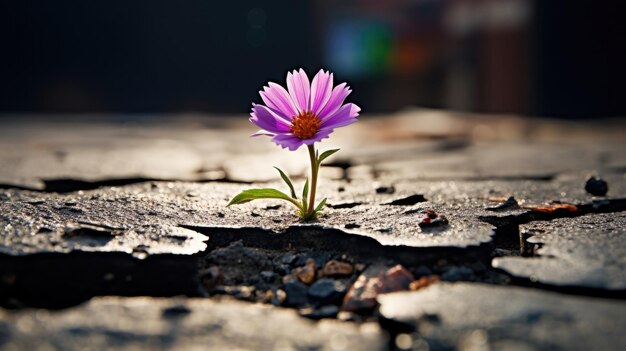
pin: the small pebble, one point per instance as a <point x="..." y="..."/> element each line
<point x="394" y="279"/>
<point x="432" y="219"/>
<point x="326" y="291"/>
<point x="596" y="186"/>
<point x="279" y="297"/>
<point x="439" y="221"/>
<point x="334" y="268"/>
<point x="306" y="274"/>
<point x="274" y="296"/>
<point x="362" y="295"/>
<point x="383" y="189"/>
<point x="296" y="294"/>
<point x="176" y="311"/>
<point x="423" y="282"/>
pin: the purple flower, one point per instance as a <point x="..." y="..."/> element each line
<point x="306" y="112"/>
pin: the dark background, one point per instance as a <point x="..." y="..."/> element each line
<point x="549" y="58"/>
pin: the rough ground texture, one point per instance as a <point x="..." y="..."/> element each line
<point x="527" y="259"/>
<point x="181" y="324"/>
<point x="503" y="318"/>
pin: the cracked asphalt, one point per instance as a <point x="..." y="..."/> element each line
<point x="115" y="220"/>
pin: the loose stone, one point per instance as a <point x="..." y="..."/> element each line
<point x="596" y="186"/>
<point x="553" y="207"/>
<point x="395" y="279"/>
<point x="176" y="311"/>
<point x="334" y="268"/>
<point x="296" y="294"/>
<point x="432" y="219"/>
<point x="362" y="295"/>
<point x="307" y="273"/>
<point x="423" y="282"/>
<point x="274" y="296"/>
<point x="327" y="291"/>
<point x="384" y="189"/>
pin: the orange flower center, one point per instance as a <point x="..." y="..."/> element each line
<point x="305" y="125"/>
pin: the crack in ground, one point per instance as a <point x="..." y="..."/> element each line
<point x="24" y="281"/>
<point x="335" y="241"/>
<point x="588" y="207"/>
<point x="69" y="185"/>
<point x="259" y="265"/>
<point x="509" y="240"/>
<point x="58" y="280"/>
<point x="78" y="276"/>
<point x="55" y="280"/>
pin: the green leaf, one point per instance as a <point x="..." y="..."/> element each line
<point x="264" y="193"/>
<point x="288" y="181"/>
<point x="325" y="155"/>
<point x="320" y="206"/>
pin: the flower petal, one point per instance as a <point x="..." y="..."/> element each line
<point x="337" y="97"/>
<point x="345" y="115"/>
<point x="267" y="120"/>
<point x="321" y="134"/>
<point x="299" y="89"/>
<point x="321" y="90"/>
<point x="288" y="141"/>
<point x="278" y="99"/>
<point x="263" y="132"/>
<point x="292" y="142"/>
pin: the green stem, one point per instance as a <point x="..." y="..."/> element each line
<point x="314" y="171"/>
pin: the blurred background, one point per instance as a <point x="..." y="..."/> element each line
<point x="555" y="58"/>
